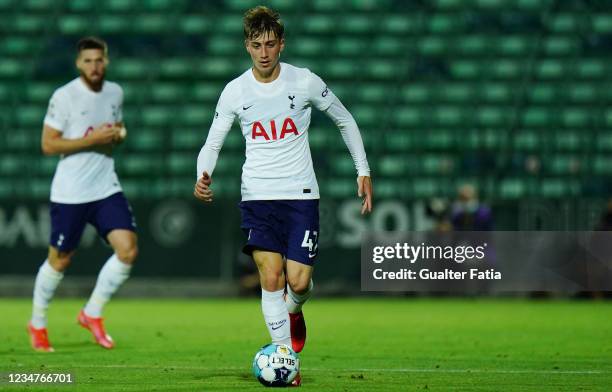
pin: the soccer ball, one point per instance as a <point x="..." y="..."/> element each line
<point x="276" y="365"/>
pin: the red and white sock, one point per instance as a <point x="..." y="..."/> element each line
<point x="295" y="300"/>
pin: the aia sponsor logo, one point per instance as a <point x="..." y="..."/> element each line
<point x="271" y="133"/>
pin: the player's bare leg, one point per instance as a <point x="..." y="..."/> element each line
<point x="48" y="278"/>
<point x="299" y="288"/>
<point x="272" y="278"/>
<point x="112" y="275"/>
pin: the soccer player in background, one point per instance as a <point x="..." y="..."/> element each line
<point x="83" y="123"/>
<point x="280" y="195"/>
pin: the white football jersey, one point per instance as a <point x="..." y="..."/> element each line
<point x="75" y="110"/>
<point x="274" y="118"/>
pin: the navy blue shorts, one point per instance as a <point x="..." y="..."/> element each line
<point x="288" y="227"/>
<point x="68" y="220"/>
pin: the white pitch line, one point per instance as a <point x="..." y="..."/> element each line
<point x="366" y="370"/>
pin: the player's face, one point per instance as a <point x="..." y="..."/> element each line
<point x="92" y="66"/>
<point x="265" y="52"/>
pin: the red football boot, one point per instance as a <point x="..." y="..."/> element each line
<point x="298" y="331"/>
<point x="96" y="327"/>
<point x="39" y="339"/>
<point x="297" y="381"/>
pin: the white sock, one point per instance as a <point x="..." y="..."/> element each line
<point x="111" y="277"/>
<point x="46" y="282"/>
<point x="276" y="316"/>
<point x="295" y="300"/>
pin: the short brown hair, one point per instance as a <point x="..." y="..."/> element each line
<point x="92" y="43"/>
<point x="261" y="20"/>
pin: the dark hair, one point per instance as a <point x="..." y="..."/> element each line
<point x="92" y="43"/>
<point x="261" y="20"/>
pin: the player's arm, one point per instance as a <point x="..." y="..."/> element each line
<point x="207" y="158"/>
<point x="52" y="142"/>
<point x="352" y="138"/>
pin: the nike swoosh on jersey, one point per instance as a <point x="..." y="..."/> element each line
<point x="246" y="107"/>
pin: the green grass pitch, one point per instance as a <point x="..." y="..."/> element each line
<point x="398" y="344"/>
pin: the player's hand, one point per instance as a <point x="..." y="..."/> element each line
<point x="103" y="135"/>
<point x="201" y="190"/>
<point x="364" y="190"/>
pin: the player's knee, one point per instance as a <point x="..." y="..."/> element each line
<point x="299" y="283"/>
<point x="271" y="279"/>
<point x="128" y="254"/>
<point x="60" y="260"/>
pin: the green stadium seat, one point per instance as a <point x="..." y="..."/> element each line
<point x="74" y="24"/>
<point x="219" y="45"/>
<point x="444" y="24"/>
<point x="159" y="116"/>
<point x="437" y="164"/>
<point x="602" y="23"/>
<point x="175" y="68"/>
<point x="17" y="46"/>
<point x="473" y="44"/>
<point x="396" y="166"/>
<point x="140" y="164"/>
<point x="187" y="139"/>
<point x="373" y="93"/>
<point x="206" y="92"/>
<point x="181" y="163"/>
<point x="465" y="69"/>
<point x="538" y="117"/>
<point x="218" y="68"/>
<point x="39" y="92"/>
<point x="152" y="24"/>
<point x="119" y="5"/>
<point x="456" y="92"/>
<point x="42" y="6"/>
<point x="415" y="93"/>
<point x="115" y="24"/>
<point x="581" y="93"/>
<point x="195" y="24"/>
<point x="512" y="188"/>
<point x="11" y="164"/>
<point x="81" y="5"/>
<point x="562" y="165"/>
<point x="506" y="69"/>
<point x="603" y="141"/>
<point x="234" y="140"/>
<point x="169" y="93"/>
<point x="575" y="117"/>
<point x="557" y="46"/>
<point x="562" y="23"/>
<point x="356" y="24"/>
<point x="518" y="45"/>
<point x="343" y="46"/>
<point x="526" y="140"/>
<point x="31" y="116"/>
<point x="318" y="138"/>
<point x="498" y="93"/>
<point x="437" y="139"/>
<point x="146" y="138"/>
<point x="432" y="46"/>
<point x="229" y="163"/>
<point x="387" y="45"/>
<point x="193" y="115"/>
<point x="591" y="68"/>
<point x="542" y="93"/>
<point x="400" y="24"/>
<point x="571" y="140"/>
<point x="10" y="68"/>
<point x="367" y="115"/>
<point x="408" y="117"/>
<point x="131" y="68"/>
<point x="550" y="69"/>
<point x="447" y="115"/>
<point x="25" y="23"/>
<point x="319" y="24"/>
<point x="493" y="116"/>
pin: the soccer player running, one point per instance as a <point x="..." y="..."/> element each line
<point x="280" y="195"/>
<point x="82" y="124"/>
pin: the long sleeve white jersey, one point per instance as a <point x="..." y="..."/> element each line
<point x="274" y="119"/>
